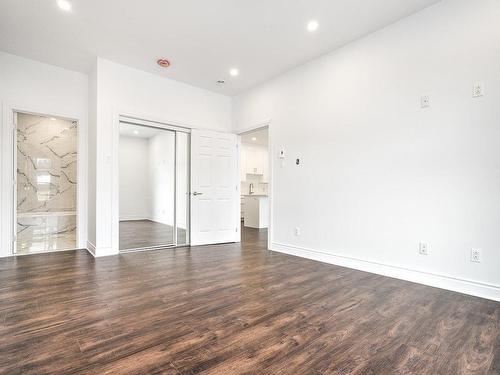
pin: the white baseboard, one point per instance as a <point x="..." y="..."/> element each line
<point x="100" y="252"/>
<point x="455" y="284"/>
<point x="91" y="248"/>
<point x="133" y="218"/>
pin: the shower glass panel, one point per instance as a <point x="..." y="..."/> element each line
<point x="46" y="174"/>
<point x="147" y="187"/>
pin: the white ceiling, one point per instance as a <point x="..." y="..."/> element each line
<point x="257" y="137"/>
<point x="138" y="131"/>
<point x="202" y="38"/>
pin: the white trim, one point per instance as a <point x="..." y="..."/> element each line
<point x="104" y="252"/>
<point x="134" y="218"/>
<point x="238" y="188"/>
<point x="256" y="126"/>
<point x="140" y="119"/>
<point x="471" y="287"/>
<point x="91" y="248"/>
<point x="101" y="252"/>
<point x="7" y="156"/>
<point x="153" y="124"/>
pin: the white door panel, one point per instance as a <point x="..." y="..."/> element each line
<point x="214" y="187"/>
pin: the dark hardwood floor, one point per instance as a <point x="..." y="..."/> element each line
<point x="136" y="234"/>
<point x="232" y="309"/>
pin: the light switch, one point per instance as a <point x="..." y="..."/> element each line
<point x="425" y="101"/>
<point x="478" y="90"/>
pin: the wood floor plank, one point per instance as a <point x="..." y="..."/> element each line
<point x="233" y="309"/>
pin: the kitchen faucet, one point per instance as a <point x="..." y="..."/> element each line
<point x="250" y="187"/>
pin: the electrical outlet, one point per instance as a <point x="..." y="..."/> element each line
<point x="478" y="90"/>
<point x="475" y="255"/>
<point x="423" y="248"/>
<point x="296" y="231"/>
<point x="425" y="101"/>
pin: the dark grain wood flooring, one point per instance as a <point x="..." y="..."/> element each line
<point x="232" y="309"/>
<point x="137" y="234"/>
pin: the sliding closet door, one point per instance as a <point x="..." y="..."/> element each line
<point x="147" y="162"/>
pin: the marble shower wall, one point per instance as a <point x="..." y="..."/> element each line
<point x="46" y="184"/>
<point x="46" y="164"/>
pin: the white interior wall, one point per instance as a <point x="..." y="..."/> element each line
<point x="378" y="173"/>
<point x="92" y="154"/>
<point x="162" y="176"/>
<point x="127" y="91"/>
<point x="27" y="85"/>
<point x="135" y="185"/>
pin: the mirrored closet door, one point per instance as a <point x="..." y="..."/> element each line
<point x="154" y="181"/>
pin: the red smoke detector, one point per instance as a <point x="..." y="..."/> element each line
<point x="164" y="63"/>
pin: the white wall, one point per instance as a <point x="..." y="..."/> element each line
<point x="92" y="153"/>
<point x="27" y="85"/>
<point x="135" y="185"/>
<point x="123" y="90"/>
<point x="162" y="176"/>
<point x="379" y="174"/>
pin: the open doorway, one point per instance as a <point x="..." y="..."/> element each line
<point x="255" y="178"/>
<point x="45" y="193"/>
<point x="153" y="187"/>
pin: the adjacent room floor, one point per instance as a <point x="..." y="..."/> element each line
<point x="231" y="309"/>
<point x="137" y="234"/>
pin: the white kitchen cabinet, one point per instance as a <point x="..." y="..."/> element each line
<point x="256" y="211"/>
<point x="254" y="160"/>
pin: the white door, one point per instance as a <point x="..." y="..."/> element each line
<point x="215" y="195"/>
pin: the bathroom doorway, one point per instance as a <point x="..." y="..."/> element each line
<point x="154" y="178"/>
<point x="45" y="183"/>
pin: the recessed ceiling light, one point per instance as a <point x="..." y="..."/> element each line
<point x="64" y="5"/>
<point x="254" y="139"/>
<point x="164" y="63"/>
<point x="234" y="72"/>
<point x="312" y="25"/>
<point x="136" y="132"/>
<point x="53" y="118"/>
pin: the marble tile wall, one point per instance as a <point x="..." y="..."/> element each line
<point x="45" y="232"/>
<point x="46" y="183"/>
<point x="46" y="164"/>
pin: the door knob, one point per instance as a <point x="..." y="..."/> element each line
<point x="196" y="193"/>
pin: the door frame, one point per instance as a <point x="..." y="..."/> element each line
<point x="8" y="189"/>
<point x="142" y="120"/>
<point x="263" y="124"/>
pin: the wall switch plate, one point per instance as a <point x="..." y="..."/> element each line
<point x="296" y="231"/>
<point x="281" y="154"/>
<point x="425" y="101"/>
<point x="423" y="248"/>
<point x="475" y="255"/>
<point x="478" y="90"/>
